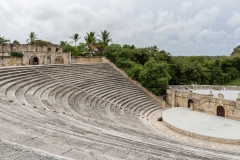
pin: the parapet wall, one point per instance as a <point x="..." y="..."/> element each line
<point x="86" y="59"/>
<point x="182" y="95"/>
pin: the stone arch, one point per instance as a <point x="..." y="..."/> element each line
<point x="190" y="101"/>
<point x="49" y="49"/>
<point x="59" y="60"/>
<point x="34" y="60"/>
<point x="57" y="49"/>
<point x="220" y="111"/>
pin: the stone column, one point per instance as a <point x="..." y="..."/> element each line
<point x="173" y="98"/>
<point x="69" y="58"/>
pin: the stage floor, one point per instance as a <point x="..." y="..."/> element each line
<point x="202" y="123"/>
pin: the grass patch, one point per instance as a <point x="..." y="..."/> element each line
<point x="235" y="82"/>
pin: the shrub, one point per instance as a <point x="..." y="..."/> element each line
<point x="16" y="54"/>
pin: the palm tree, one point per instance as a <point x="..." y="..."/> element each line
<point x="32" y="37"/>
<point x="105" y="37"/>
<point x="90" y="40"/>
<point x="64" y="43"/>
<point x="75" y="38"/>
<point x="16" y="42"/>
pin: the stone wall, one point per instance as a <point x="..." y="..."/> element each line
<point x="10" y="61"/>
<point x="46" y="57"/>
<point x="86" y="59"/>
<point x="44" y="54"/>
<point x="204" y="103"/>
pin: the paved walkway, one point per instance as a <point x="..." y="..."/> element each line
<point x="202" y="123"/>
<point x="174" y="135"/>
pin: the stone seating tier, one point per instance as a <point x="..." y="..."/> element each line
<point x="86" y="110"/>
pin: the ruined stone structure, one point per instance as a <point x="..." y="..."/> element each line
<point x="183" y="96"/>
<point x="33" y="55"/>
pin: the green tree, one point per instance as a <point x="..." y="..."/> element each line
<point x="16" y="42"/>
<point x="32" y="38"/>
<point x="75" y="38"/>
<point x="105" y="37"/>
<point x="3" y="40"/>
<point x="236" y="51"/>
<point x="111" y="51"/>
<point x="68" y="48"/>
<point x="64" y="43"/>
<point x="90" y="40"/>
<point x="155" y="76"/>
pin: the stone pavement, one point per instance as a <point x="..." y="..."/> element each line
<point x="174" y="135"/>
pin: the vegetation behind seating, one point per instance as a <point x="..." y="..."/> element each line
<point x="155" y="69"/>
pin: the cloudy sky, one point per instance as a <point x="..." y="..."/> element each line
<point x="196" y="27"/>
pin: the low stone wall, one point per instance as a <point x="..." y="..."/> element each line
<point x="202" y="137"/>
<point x="86" y="59"/>
<point x="10" y="61"/>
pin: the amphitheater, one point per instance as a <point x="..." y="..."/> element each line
<point x="89" y="110"/>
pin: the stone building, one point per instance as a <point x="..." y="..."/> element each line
<point x="216" y="100"/>
<point x="33" y="55"/>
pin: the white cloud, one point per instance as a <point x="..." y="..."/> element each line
<point x="234" y="21"/>
<point x="210" y="35"/>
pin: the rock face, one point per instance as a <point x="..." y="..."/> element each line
<point x="83" y="111"/>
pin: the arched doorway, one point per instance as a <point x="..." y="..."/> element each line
<point x="190" y="101"/>
<point x="59" y="60"/>
<point x="220" y="111"/>
<point x="33" y="61"/>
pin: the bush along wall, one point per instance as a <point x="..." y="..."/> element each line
<point x="16" y="54"/>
